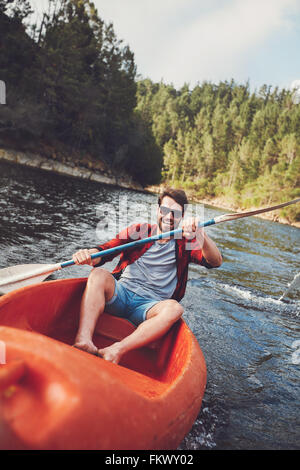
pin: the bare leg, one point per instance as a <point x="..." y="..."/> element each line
<point x="99" y="289"/>
<point x="160" y="318"/>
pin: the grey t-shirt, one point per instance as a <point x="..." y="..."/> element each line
<point x="154" y="274"/>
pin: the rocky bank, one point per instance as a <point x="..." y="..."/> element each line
<point x="100" y="174"/>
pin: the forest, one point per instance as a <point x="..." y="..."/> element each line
<point x="221" y="141"/>
<point x="73" y="86"/>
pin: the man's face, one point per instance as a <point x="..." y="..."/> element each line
<point x="169" y="214"/>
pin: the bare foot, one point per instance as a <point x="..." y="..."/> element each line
<point x="111" y="353"/>
<point x="86" y="345"/>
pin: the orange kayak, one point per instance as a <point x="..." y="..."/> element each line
<point x="54" y="396"/>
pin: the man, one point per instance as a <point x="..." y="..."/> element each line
<point x="151" y="278"/>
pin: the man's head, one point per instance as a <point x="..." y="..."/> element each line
<point x="171" y="205"/>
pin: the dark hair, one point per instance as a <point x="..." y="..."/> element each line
<point x="177" y="194"/>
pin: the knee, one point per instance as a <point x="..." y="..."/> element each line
<point x="173" y="310"/>
<point x="98" y="275"/>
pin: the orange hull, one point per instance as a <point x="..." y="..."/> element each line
<point x="54" y="396"/>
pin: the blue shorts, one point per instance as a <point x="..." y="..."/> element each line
<point x="129" y="305"/>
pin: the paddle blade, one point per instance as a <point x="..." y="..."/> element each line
<point x="240" y="215"/>
<point x="15" y="277"/>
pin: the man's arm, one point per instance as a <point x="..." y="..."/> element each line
<point x="125" y="236"/>
<point x="211" y="252"/>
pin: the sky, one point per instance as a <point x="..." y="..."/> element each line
<point x="191" y="41"/>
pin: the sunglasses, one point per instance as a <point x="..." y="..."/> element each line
<point x="177" y="214"/>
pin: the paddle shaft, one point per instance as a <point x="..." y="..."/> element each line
<point x="142" y="241"/>
<point x="216" y="220"/>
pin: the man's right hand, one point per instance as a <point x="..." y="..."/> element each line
<point x="84" y="257"/>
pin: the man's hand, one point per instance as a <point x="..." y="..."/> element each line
<point x="210" y="251"/>
<point x="84" y="257"/>
<point x="191" y="230"/>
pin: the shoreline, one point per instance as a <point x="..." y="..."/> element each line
<point x="69" y="169"/>
<point x="123" y="181"/>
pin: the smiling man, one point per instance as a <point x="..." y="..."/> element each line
<point x="148" y="282"/>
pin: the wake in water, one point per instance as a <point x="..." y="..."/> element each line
<point x="258" y="300"/>
<point x="255" y="298"/>
<point x="248" y="295"/>
<point x="212" y="417"/>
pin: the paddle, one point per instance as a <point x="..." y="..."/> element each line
<point x="14" y="277"/>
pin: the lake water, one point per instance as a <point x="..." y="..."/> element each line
<point x="250" y="338"/>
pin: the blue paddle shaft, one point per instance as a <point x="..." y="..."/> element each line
<point x="138" y="242"/>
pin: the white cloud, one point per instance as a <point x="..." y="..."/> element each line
<point x="194" y="40"/>
<point x="216" y="45"/>
<point x="188" y="41"/>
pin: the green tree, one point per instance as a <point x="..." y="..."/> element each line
<point x="270" y="154"/>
